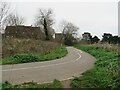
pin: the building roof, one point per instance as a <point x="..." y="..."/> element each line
<point x="23" y="31"/>
<point x="22" y="28"/>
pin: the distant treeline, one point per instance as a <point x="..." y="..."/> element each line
<point x="106" y="38"/>
<point x="109" y="38"/>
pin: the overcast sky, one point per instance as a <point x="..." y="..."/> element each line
<point x="94" y="17"/>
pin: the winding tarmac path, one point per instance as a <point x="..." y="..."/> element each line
<point x="73" y="64"/>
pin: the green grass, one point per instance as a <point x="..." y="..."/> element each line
<point x="47" y="86"/>
<point x="25" y="58"/>
<point x="105" y="73"/>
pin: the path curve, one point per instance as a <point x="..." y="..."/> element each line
<point x="73" y="64"/>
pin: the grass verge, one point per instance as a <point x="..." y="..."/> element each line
<point x="47" y="86"/>
<point x="105" y="73"/>
<point x="25" y="58"/>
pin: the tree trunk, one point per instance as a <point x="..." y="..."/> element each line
<point x="46" y="30"/>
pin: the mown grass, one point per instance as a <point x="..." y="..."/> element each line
<point x="25" y="58"/>
<point x="33" y="85"/>
<point x="106" y="72"/>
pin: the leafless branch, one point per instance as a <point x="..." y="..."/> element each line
<point x="4" y="11"/>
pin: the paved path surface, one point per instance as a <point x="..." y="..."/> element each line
<point x="75" y="63"/>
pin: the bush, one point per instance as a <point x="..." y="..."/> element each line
<point x="6" y="84"/>
<point x="24" y="58"/>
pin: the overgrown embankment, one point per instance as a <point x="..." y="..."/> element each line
<point x="13" y="46"/>
<point x="30" y="50"/>
<point x="105" y="73"/>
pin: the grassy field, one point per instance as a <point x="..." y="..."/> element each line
<point x="105" y="73"/>
<point x="33" y="85"/>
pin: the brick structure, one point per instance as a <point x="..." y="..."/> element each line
<point x="24" y="32"/>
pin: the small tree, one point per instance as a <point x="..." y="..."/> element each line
<point x="69" y="30"/>
<point x="114" y="39"/>
<point x="107" y="37"/>
<point x="95" y="39"/>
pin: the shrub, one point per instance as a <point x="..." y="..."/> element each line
<point x="6" y="84"/>
<point x="24" y="58"/>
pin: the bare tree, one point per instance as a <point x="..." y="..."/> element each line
<point x="45" y="21"/>
<point x="15" y="20"/>
<point x="69" y="31"/>
<point x="4" y="11"/>
<point x="69" y="28"/>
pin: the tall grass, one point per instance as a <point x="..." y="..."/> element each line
<point x="105" y="73"/>
<point x="110" y="47"/>
<point x="12" y="46"/>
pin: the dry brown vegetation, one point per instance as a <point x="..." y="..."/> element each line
<point x="107" y="46"/>
<point x="110" y="47"/>
<point x="14" y="46"/>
